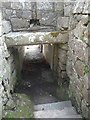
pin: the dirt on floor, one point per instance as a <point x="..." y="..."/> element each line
<point x="37" y="84"/>
<point x="38" y="80"/>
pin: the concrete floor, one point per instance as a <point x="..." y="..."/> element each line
<point x="38" y="81"/>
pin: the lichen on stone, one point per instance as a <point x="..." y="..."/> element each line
<point x="55" y="34"/>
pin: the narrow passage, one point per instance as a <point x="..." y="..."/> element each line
<point x="38" y="80"/>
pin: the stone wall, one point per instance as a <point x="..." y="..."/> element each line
<point x="48" y="51"/>
<point x="62" y="61"/>
<point x="78" y="67"/>
<point x="9" y="62"/>
<point x="1" y="63"/>
<point x="20" y="13"/>
<point x="70" y="56"/>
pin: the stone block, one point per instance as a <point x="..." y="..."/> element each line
<point x="6" y="5"/>
<point x="80" y="50"/>
<point x="86" y="95"/>
<point x="1" y="41"/>
<point x="19" y="13"/>
<point x="78" y="17"/>
<point x="45" y="5"/>
<point x="6" y="52"/>
<point x="7" y="13"/>
<point x="16" y="5"/>
<point x="19" y="23"/>
<point x="62" y="56"/>
<point x="86" y="83"/>
<point x="67" y="10"/>
<point x="87" y="35"/>
<point x="62" y="23"/>
<point x="86" y="9"/>
<point x="80" y="28"/>
<point x="28" y="5"/>
<point x="64" y="75"/>
<point x="69" y="68"/>
<point x="80" y="68"/>
<point x="84" y="108"/>
<point x="1" y="104"/>
<point x="59" y="6"/>
<point x="1" y="33"/>
<point x="79" y="7"/>
<point x="78" y="99"/>
<point x="27" y="15"/>
<point x="64" y="38"/>
<point x="72" y="22"/>
<point x="61" y="66"/>
<point x="47" y="18"/>
<point x="63" y="46"/>
<point x="0" y="16"/>
<point x="6" y="26"/>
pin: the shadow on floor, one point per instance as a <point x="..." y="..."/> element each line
<point x="37" y="78"/>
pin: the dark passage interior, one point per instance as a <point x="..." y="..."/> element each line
<point x="37" y="78"/>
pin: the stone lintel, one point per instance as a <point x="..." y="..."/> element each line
<point x="29" y="38"/>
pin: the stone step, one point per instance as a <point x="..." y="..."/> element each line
<point x="53" y="106"/>
<point x="65" y="113"/>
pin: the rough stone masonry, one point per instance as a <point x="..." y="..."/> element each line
<point x="71" y="55"/>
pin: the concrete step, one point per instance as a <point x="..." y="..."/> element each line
<point x="53" y="106"/>
<point x="65" y="113"/>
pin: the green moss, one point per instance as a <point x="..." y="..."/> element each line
<point x="55" y="34"/>
<point x="86" y="69"/>
<point x="24" y="108"/>
<point x="0" y="78"/>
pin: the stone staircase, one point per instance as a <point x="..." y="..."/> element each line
<point x="56" y="110"/>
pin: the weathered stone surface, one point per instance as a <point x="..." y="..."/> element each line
<point x="1" y="105"/>
<point x="62" y="56"/>
<point x="7" y="13"/>
<point x="72" y="22"/>
<point x="6" y="5"/>
<point x="85" y="109"/>
<point x="59" y="7"/>
<point x="63" y="23"/>
<point x="79" y="7"/>
<point x="67" y="9"/>
<point x="64" y="75"/>
<point x="19" y="13"/>
<point x="23" y="107"/>
<point x="19" y="23"/>
<point x="6" y="53"/>
<point x="16" y="5"/>
<point x="26" y="38"/>
<point x="86" y="7"/>
<point x="47" y="18"/>
<point x="79" y="49"/>
<point x="87" y="34"/>
<point x="6" y="26"/>
<point x="80" y="28"/>
<point x="62" y="66"/>
<point x="27" y="5"/>
<point x="79" y="66"/>
<point x="0" y="16"/>
<point x="82" y="7"/>
<point x="63" y="46"/>
<point x="27" y="15"/>
<point x="44" y="5"/>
